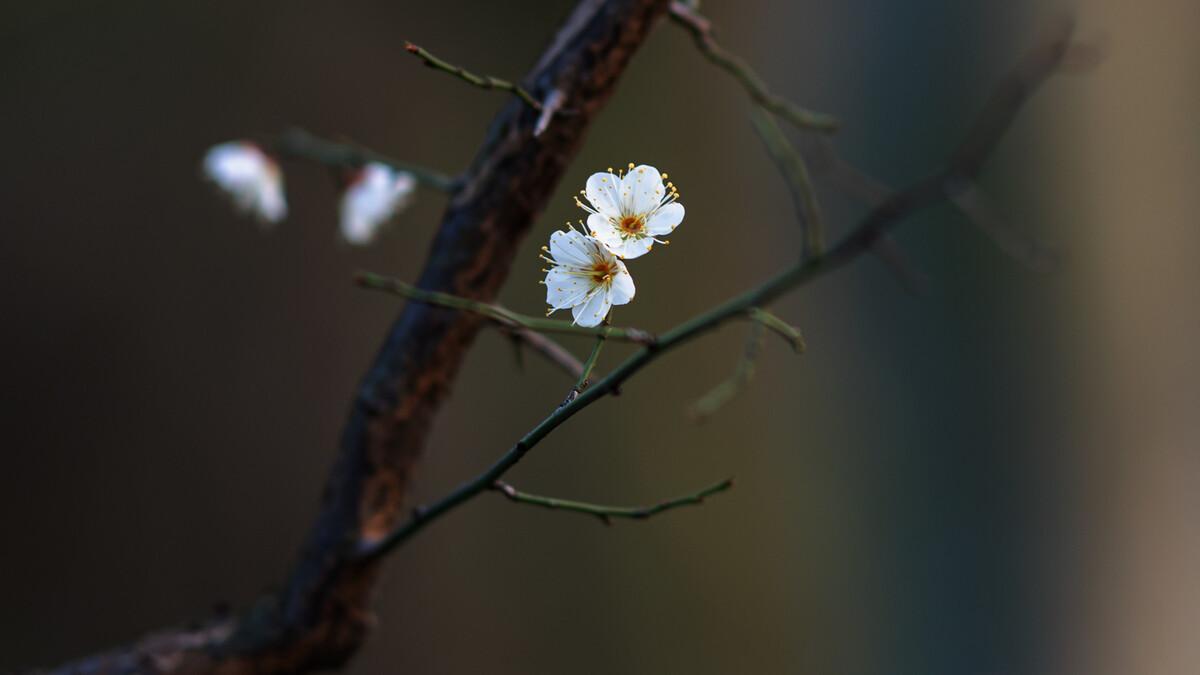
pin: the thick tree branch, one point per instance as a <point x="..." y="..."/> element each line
<point x="322" y="616"/>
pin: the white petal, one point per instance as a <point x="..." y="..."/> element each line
<point x="372" y="199"/>
<point x="603" y="190"/>
<point x="622" y="286"/>
<point x="570" y="248"/>
<point x="665" y="220"/>
<point x="251" y="178"/>
<point x="272" y="206"/>
<point x="634" y="248"/>
<point x="592" y="312"/>
<point x="564" y="289"/>
<point x="642" y="189"/>
<point x="605" y="232"/>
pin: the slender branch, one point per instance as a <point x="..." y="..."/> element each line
<point x="551" y="350"/>
<point x="589" y="365"/>
<point x="702" y="34"/>
<point x="299" y="144"/>
<point x="888" y="251"/>
<point x="497" y="313"/>
<point x="716" y="398"/>
<point x="607" y="513"/>
<point x="791" y="164"/>
<point x="1035" y="254"/>
<point x="780" y="327"/>
<point x="706" y="406"/>
<point x="482" y="81"/>
<point x="1030" y="71"/>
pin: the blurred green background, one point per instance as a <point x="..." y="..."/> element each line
<point x="996" y="477"/>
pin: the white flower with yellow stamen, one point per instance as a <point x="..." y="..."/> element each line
<point x="250" y="177"/>
<point x="629" y="211"/>
<point x="585" y="276"/>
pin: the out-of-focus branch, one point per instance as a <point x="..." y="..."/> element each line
<point x="702" y="34"/>
<point x="972" y="201"/>
<point x="1031" y="71"/>
<point x="783" y="329"/>
<point x="299" y="144"/>
<point x="716" y="398"/>
<point x="795" y="172"/>
<point x="497" y="313"/>
<point x="549" y="349"/>
<point x="607" y="513"/>
<point x="482" y="81"/>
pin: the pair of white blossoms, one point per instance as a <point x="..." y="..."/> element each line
<point x="627" y="213"/>
<point x="375" y="193"/>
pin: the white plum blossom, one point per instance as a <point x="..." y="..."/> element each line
<point x="631" y="210"/>
<point x="585" y="276"/>
<point x="376" y="194"/>
<point x="250" y="177"/>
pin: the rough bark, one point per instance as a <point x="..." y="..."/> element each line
<point x="323" y="615"/>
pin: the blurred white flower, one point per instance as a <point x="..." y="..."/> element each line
<point x="250" y="177"/>
<point x="377" y="193"/>
<point x="584" y="276"/>
<point x="630" y="211"/>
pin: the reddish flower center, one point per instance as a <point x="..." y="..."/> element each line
<point x="603" y="271"/>
<point x="631" y="225"/>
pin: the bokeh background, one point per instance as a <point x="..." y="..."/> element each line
<point x="998" y="476"/>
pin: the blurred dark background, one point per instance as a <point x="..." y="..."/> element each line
<point x="996" y="477"/>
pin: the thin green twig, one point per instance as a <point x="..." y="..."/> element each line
<point x="780" y="327"/>
<point x="299" y="144"/>
<point x="590" y="364"/>
<point x="701" y="31"/>
<point x="607" y="513"/>
<point x="482" y="81"/>
<point x="497" y="313"/>
<point x="791" y="164"/>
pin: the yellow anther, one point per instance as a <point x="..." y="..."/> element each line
<point x="664" y="176"/>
